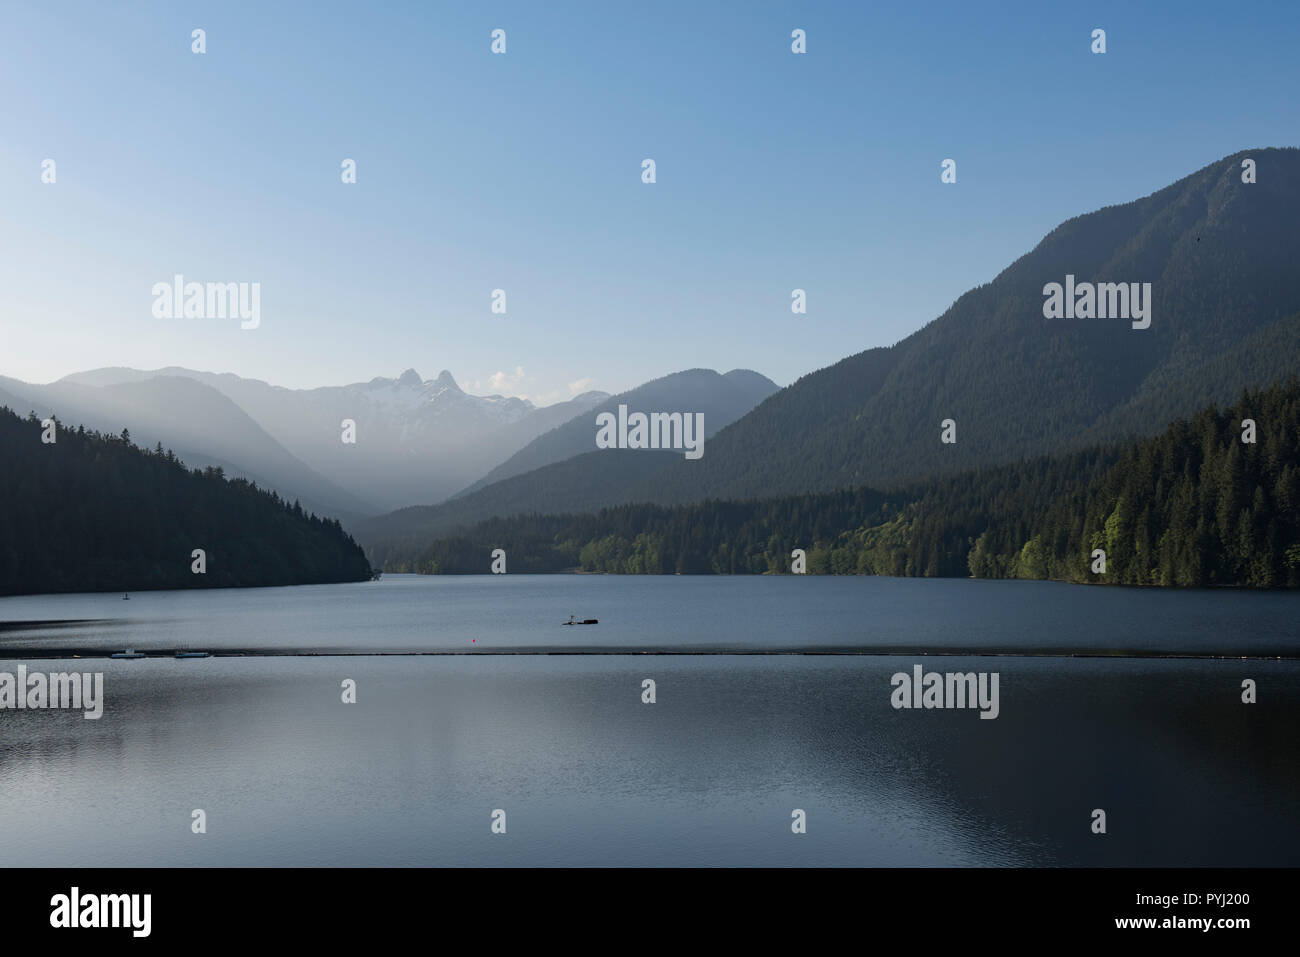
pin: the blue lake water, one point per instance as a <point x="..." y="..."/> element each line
<point x="709" y="774"/>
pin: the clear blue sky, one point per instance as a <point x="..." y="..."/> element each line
<point x="522" y="172"/>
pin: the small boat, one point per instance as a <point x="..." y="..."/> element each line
<point x="193" y="654"/>
<point x="129" y="653"/>
<point x="125" y="597"/>
<point x="585" y="621"/>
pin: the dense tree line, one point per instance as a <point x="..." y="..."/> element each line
<point x="92" y="512"/>
<point x="1195" y="505"/>
<point x="1192" y="506"/>
<point x="711" y="538"/>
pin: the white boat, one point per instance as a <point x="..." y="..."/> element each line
<point x="129" y="653"/>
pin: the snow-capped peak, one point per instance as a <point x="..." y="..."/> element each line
<point x="446" y="381"/>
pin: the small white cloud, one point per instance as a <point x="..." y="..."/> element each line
<point x="520" y="385"/>
<point x="502" y="381"/>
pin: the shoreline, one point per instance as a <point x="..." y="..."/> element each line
<point x="28" y="654"/>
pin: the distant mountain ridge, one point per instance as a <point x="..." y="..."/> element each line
<point x="722" y="399"/>
<point x="563" y="471"/>
<point x="1220" y="255"/>
<point x="416" y="440"/>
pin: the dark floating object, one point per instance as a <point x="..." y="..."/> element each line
<point x="585" y="621"/>
<point x="125" y="597"/>
<point x="129" y="653"/>
<point x="193" y="654"/>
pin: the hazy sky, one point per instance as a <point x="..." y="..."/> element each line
<point x="523" y="172"/>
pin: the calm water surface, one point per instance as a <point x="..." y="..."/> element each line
<point x="588" y="774"/>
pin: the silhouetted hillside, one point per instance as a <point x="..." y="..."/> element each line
<point x="91" y="512"/>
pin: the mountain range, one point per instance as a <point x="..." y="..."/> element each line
<point x="993" y="372"/>
<point x="560" y="469"/>
<point x="1219" y="254"/>
<point x="1205" y="503"/>
<point x="417" y="440"/>
<point x="722" y="399"/>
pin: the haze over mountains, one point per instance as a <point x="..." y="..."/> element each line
<point x="203" y="427"/>
<point x="561" y="469"/>
<point x="417" y="441"/>
<point x="1220" y="255"/>
<point x="721" y="398"/>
